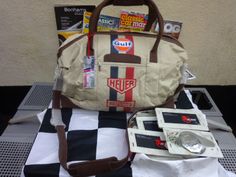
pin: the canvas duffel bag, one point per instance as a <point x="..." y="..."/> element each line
<point x="131" y="70"/>
<point x="115" y="71"/>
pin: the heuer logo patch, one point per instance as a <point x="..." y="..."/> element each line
<point x="122" y="44"/>
<point x="121" y="85"/>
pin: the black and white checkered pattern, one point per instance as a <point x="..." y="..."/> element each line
<point x="90" y="135"/>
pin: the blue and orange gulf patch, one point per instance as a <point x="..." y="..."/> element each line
<point x="122" y="44"/>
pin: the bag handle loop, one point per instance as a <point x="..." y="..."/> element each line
<point x="154" y="14"/>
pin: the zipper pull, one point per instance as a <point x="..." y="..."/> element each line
<point x="99" y="66"/>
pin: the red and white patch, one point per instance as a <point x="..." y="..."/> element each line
<point x="122" y="44"/>
<point x="123" y="104"/>
<point x="121" y="85"/>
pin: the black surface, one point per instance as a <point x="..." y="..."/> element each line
<point x="223" y="96"/>
<point x="11" y="97"/>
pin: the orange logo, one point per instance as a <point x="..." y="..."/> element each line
<point x="121" y="85"/>
<point x="122" y="44"/>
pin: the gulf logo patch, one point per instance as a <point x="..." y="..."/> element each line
<point x="122" y="44"/>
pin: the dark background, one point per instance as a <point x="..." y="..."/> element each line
<point x="223" y="96"/>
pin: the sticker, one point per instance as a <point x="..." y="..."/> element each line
<point x="89" y="63"/>
<point x="147" y="142"/>
<point x="181" y="118"/>
<point x="89" y="79"/>
<point x="122" y="44"/>
<point x="121" y="85"/>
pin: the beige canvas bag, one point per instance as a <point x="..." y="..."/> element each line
<point x="115" y="71"/>
<point x="132" y="70"/>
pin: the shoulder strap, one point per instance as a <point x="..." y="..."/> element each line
<point x="88" y="168"/>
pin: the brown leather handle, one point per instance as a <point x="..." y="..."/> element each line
<point x="95" y="16"/>
<point x="154" y="14"/>
<point x="128" y="3"/>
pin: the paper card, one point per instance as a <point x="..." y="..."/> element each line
<point x="148" y="123"/>
<point x="89" y="63"/>
<point x="89" y="79"/>
<point x="147" y="142"/>
<point x="181" y="119"/>
<point x="173" y="148"/>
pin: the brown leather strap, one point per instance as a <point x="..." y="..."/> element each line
<point x="56" y="103"/>
<point x="122" y="58"/>
<point x="96" y="167"/>
<point x="88" y="168"/>
<point x="179" y="88"/>
<point x="82" y="169"/>
<point x="155" y="14"/>
<point x="62" y="152"/>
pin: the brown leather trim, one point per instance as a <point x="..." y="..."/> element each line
<point x="62" y="151"/>
<point x="66" y="103"/>
<point x="56" y="95"/>
<point x="96" y="167"/>
<point x="179" y="88"/>
<point x="128" y="3"/>
<point x="60" y="50"/>
<point x="172" y="40"/>
<point x="122" y="58"/>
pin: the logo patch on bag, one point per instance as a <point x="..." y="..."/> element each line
<point x="126" y="104"/>
<point x="121" y="85"/>
<point x="122" y="44"/>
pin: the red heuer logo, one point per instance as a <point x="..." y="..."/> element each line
<point x="121" y="85"/>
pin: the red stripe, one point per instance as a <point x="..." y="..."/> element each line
<point x="131" y="51"/>
<point x="129" y="93"/>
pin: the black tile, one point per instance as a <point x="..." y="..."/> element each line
<point x="112" y="120"/>
<point x="183" y="102"/>
<point x="82" y="145"/>
<point x="46" y="125"/>
<point x="46" y="170"/>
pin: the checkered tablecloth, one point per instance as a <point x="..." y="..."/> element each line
<point x="92" y="135"/>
